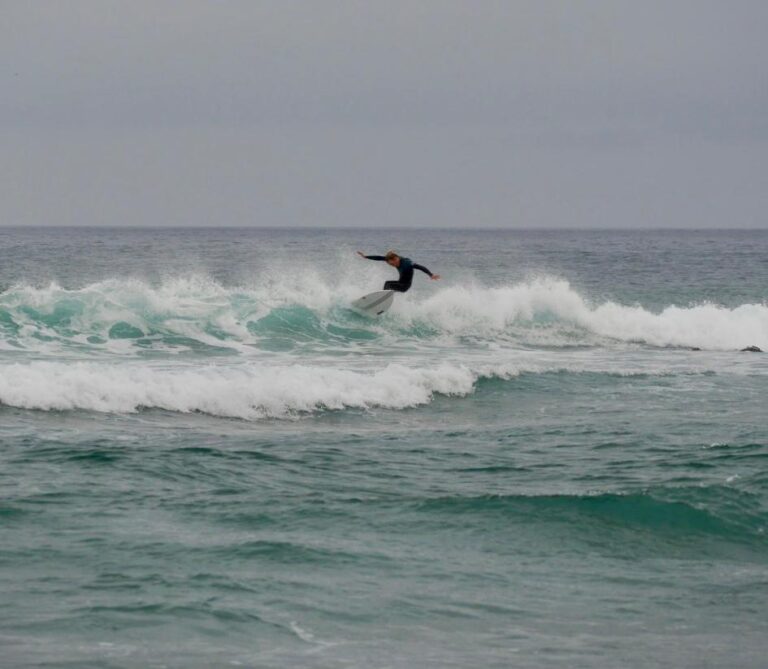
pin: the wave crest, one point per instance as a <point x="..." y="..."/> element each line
<point x="550" y="304"/>
<point x="200" y="314"/>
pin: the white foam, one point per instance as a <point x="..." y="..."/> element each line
<point x="255" y="391"/>
<point x="246" y="391"/>
<point x="550" y="302"/>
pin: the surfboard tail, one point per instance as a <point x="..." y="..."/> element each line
<point x="374" y="304"/>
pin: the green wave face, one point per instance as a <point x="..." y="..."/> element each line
<point x="665" y="521"/>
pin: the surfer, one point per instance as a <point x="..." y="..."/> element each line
<point x="404" y="266"/>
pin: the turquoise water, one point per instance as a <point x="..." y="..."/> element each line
<point x="556" y="456"/>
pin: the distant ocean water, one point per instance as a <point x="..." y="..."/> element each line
<point x="557" y="456"/>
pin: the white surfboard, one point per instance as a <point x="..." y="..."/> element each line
<point x="374" y="304"/>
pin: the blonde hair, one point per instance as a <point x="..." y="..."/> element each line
<point x="391" y="254"/>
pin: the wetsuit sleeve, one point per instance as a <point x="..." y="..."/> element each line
<point x="422" y="268"/>
<point x="375" y="257"/>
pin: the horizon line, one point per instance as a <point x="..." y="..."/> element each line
<point x="383" y="227"/>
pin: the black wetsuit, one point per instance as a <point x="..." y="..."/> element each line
<point x="405" y="269"/>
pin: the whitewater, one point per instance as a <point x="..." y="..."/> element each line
<point x="554" y="456"/>
<point x="192" y="344"/>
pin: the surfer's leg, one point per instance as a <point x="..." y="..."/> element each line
<point x="396" y="285"/>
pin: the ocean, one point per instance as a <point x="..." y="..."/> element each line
<point x="555" y="456"/>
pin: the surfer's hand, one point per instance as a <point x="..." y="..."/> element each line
<point x="435" y="277"/>
<point x="361" y="254"/>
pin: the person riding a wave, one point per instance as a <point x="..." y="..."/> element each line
<point x="404" y="266"/>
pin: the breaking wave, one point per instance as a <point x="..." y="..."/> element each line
<point x="254" y="391"/>
<point x="198" y="314"/>
<point x="247" y="391"/>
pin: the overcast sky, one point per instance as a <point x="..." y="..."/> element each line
<point x="540" y="113"/>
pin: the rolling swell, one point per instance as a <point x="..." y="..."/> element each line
<point x="676" y="513"/>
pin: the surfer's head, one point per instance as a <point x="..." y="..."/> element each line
<point x="392" y="258"/>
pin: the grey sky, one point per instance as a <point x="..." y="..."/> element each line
<point x="481" y="113"/>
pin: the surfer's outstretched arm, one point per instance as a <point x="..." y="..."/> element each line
<point x="434" y="277"/>
<point x="362" y="255"/>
